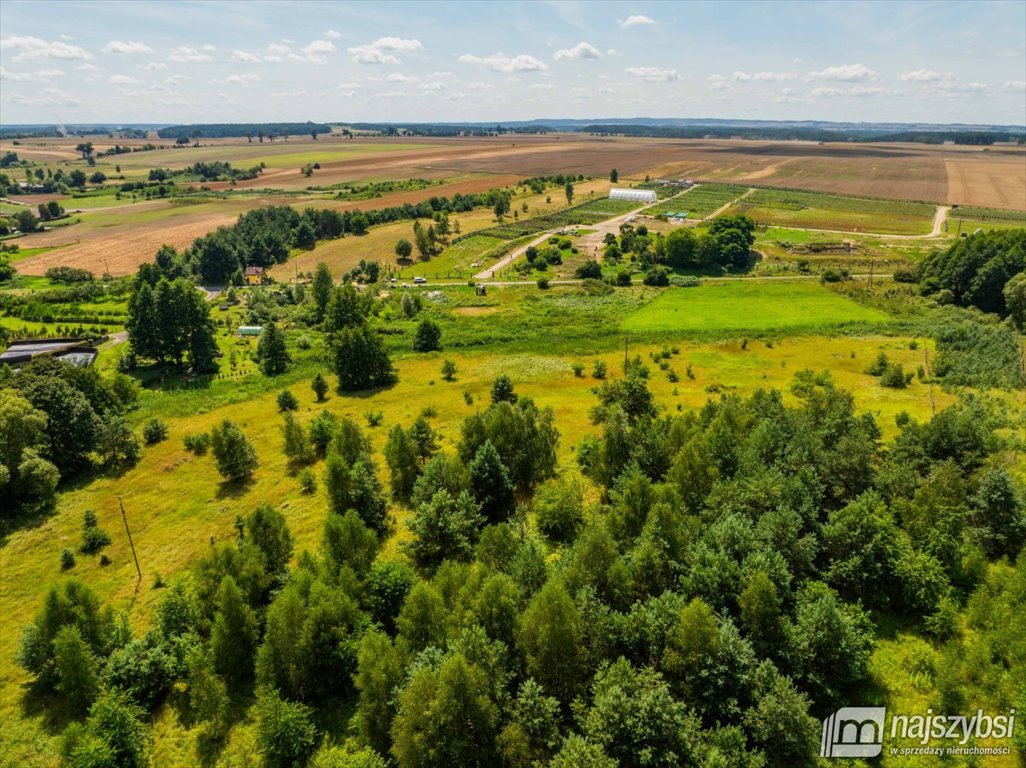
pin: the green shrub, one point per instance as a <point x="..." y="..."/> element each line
<point x="599" y="370"/>
<point x="287" y="401"/>
<point x="578" y="369"/>
<point x="197" y="444"/>
<point x="878" y="366"/>
<point x="374" y="418"/>
<point x="154" y="431"/>
<point x="307" y="480"/>
<point x="894" y="376"/>
<point x="543" y="283"/>
<point x="67" y="559"/>
<point x="93" y="537"/>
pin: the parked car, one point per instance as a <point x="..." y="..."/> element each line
<point x="419" y="280"/>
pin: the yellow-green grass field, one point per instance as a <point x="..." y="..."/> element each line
<point x="821" y="211"/>
<point x="749" y="305"/>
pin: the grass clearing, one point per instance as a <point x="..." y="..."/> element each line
<point x="749" y="306"/>
<point x="820" y="211"/>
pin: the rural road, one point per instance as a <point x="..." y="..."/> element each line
<point x="603" y="227"/>
<point x="938" y="224"/>
<point x="748" y="279"/>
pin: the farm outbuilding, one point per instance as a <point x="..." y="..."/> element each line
<point x="634" y="195"/>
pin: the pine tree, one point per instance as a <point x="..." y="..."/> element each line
<point x="271" y="351"/>
<point x="320" y="387"/>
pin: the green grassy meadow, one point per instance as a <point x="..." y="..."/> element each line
<point x="749" y="306"/>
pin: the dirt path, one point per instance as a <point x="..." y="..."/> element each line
<point x="722" y="208"/>
<point x="938" y="220"/>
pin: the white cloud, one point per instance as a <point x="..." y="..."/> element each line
<point x="844" y="73"/>
<point x="458" y="96"/>
<point x="349" y="86"/>
<point x="951" y="85"/>
<point x="382" y="50"/>
<point x="720" y="85"/>
<point x="874" y="90"/>
<point x="245" y="78"/>
<point x="117" y="46"/>
<point x="764" y="77"/>
<point x="612" y="52"/>
<point x="88" y="68"/>
<point x="437" y="85"/>
<point x="478" y="86"/>
<point x="30" y="77"/>
<point x="315" y="50"/>
<point x="580" y="51"/>
<point x="542" y="86"/>
<point x="48" y="97"/>
<point x="332" y="34"/>
<point x="1015" y="85"/>
<point x="209" y="47"/>
<point x="176" y="79"/>
<point x="398" y="77"/>
<point x="636" y="21"/>
<point x="499" y="62"/>
<point x="184" y="53"/>
<point x="607" y="90"/>
<point x="861" y="91"/>
<point x="123" y="80"/>
<point x="244" y="56"/>
<point x="33" y="48"/>
<point x="653" y="74"/>
<point x="151" y="65"/>
<point x="920" y="76"/>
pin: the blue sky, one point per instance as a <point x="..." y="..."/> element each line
<point x="394" y="61"/>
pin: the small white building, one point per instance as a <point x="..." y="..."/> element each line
<point x="634" y="195"/>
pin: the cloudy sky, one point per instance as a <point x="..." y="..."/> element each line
<point x="236" y="61"/>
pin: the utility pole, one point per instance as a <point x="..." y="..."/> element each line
<point x="124" y="517"/>
<point x="926" y="360"/>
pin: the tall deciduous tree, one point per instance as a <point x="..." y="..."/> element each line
<point x="321" y="288"/>
<point x="550" y="638"/>
<point x="233" y="454"/>
<point x="361" y="361"/>
<point x="233" y="638"/>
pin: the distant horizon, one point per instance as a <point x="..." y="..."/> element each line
<point x="640" y="120"/>
<point x="94" y="61"/>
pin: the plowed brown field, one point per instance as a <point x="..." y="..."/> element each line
<point x="967" y="175"/>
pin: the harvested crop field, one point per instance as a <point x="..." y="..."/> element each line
<point x="994" y="180"/>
